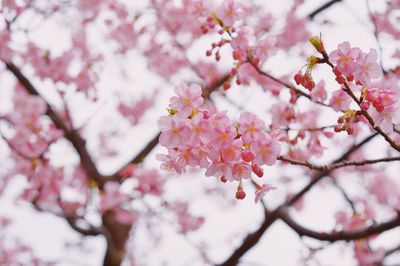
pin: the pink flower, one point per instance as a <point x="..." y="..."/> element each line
<point x="266" y="152"/>
<point x="199" y="130"/>
<point x="262" y="190"/>
<point x="174" y="131"/>
<point x="319" y="92"/>
<point x="222" y="133"/>
<point x="241" y="171"/>
<point x="230" y="12"/>
<point x="219" y="169"/>
<point x="367" y="67"/>
<point x="282" y="114"/>
<point x="344" y="58"/>
<point x="169" y="162"/>
<point x="340" y="100"/>
<point x="232" y="152"/>
<point x="386" y="119"/>
<point x="187" y="157"/>
<point x="251" y="128"/>
<point x="189" y="97"/>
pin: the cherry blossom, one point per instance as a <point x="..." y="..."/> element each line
<point x="367" y="67"/>
<point x="345" y="58"/>
<point x="340" y="100"/>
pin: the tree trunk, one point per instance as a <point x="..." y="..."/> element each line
<point x="116" y="237"/>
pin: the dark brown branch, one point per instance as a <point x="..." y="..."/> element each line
<point x="322" y="8"/>
<point x="343" y="235"/>
<point x="337" y="165"/>
<point x="252" y="239"/>
<point x="75" y="139"/>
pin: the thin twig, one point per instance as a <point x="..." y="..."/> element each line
<point x="337" y="165"/>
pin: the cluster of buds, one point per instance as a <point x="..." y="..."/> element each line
<point x="306" y="79"/>
<point x="216" y="47"/>
<point x="208" y="25"/>
<point x="227" y="84"/>
<point x="211" y="23"/>
<point x="345" y="122"/>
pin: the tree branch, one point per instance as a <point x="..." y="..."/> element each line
<point x="392" y="251"/>
<point x="337" y="165"/>
<point x="252" y="239"/>
<point x="343" y="235"/>
<point x="316" y="178"/>
<point x="73" y="136"/>
<point x="322" y="8"/>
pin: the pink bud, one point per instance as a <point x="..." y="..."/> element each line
<point x="223" y="179"/>
<point x="248" y="155"/>
<point x="240" y="194"/>
<point x="257" y="170"/>
<point x="364" y="106"/>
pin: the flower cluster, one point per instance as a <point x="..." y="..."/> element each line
<point x="32" y="135"/>
<point x="345" y="122"/>
<point x="353" y="64"/>
<point x="196" y="136"/>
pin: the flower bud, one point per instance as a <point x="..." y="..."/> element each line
<point x="317" y="43"/>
